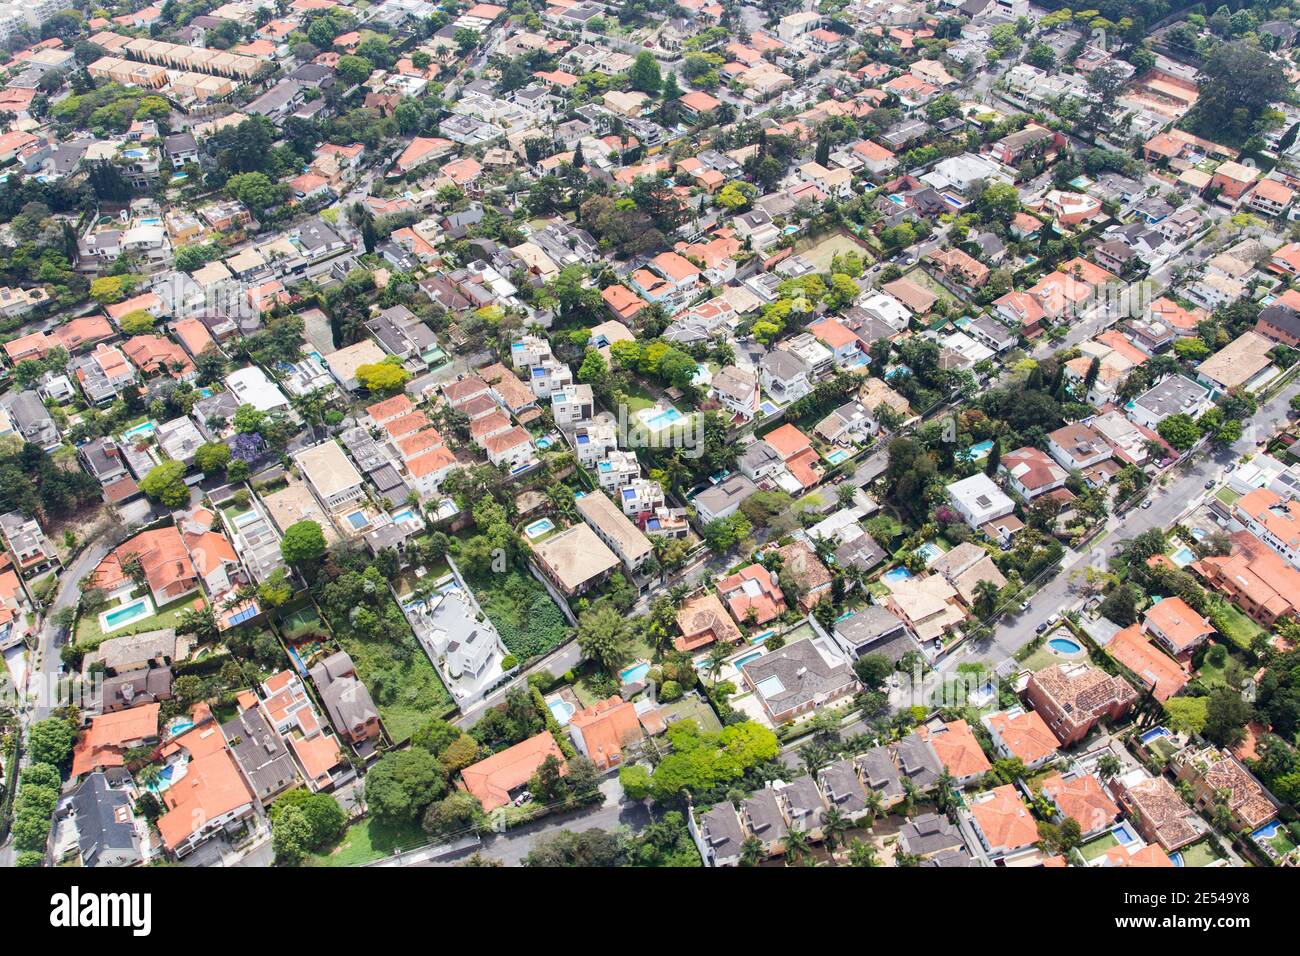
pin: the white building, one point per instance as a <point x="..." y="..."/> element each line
<point x="978" y="500"/>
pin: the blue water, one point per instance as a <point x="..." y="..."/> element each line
<point x="561" y="710"/>
<point x="742" y="661"/>
<point x="931" y="552"/>
<point x="1063" y="645"/>
<point x="544" y="443"/>
<point x="1183" y="556"/>
<point x="144" y="429"/>
<point x="897" y="574"/>
<point x="636" y="673"/>
<point x="978" y="452"/>
<point x="663" y="419"/>
<point x="837" y="456"/>
<point x="760" y="638"/>
<point x="1124" y="835"/>
<point x="539" y="527"/>
<point x="406" y="514"/>
<point x="1155" y="734"/>
<point x="1266" y="832"/>
<point x="127" y="613"/>
<point x="358" y="519"/>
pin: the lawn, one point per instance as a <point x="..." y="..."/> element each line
<point x="368" y="840"/>
<point x="821" y="252"/>
<point x="1095" y="848"/>
<point x="693" y="708"/>
<point x="1281" y="842"/>
<point x="1227" y="496"/>
<point x="637" y="398"/>
<point x="90" y="636"/>
<point x="528" y="621"/>
<point x="927" y="281"/>
<point x="301" y="623"/>
<point x="1199" y="854"/>
<point x="1040" y="658"/>
<point x="1234" y="625"/>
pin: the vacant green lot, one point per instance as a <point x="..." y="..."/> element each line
<point x="366" y="841"/>
<point x="524" y="614"/>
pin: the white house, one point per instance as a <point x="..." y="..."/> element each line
<point x="978" y="500"/>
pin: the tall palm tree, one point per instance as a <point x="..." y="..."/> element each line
<point x="910" y="793"/>
<point x="714" y="663"/>
<point x="862" y="853"/>
<point x="751" y="852"/>
<point x="834" y="825"/>
<point x="875" y="805"/>
<point x="797" y="847"/>
<point x="986" y="598"/>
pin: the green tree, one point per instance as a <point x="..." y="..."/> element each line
<point x="402" y="784"/>
<point x="303" y="544"/>
<point x="644" y="77"/>
<point x="604" y="635"/>
<point x="165" y="484"/>
<point x="49" y="741"/>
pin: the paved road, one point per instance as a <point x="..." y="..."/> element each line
<point x="1185" y="487"/>
<point x="43" y="671"/>
<point x="511" y="848"/>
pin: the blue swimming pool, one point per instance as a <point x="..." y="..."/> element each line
<point x="539" y="528"/>
<point x="636" y="673"/>
<point x="544" y="443"/>
<point x="1183" y="556"/>
<point x="128" y="613"/>
<point x="662" y="419"/>
<point x="978" y="451"/>
<point x="405" y="515"/>
<point x="931" y="552"/>
<point x="837" y="456"/>
<point x="1124" y="834"/>
<point x="358" y="520"/>
<point x="1063" y="645"/>
<point x="745" y="659"/>
<point x="896" y="575"/>
<point x="1266" y="832"/>
<point x="560" y="709"/>
<point x="143" y="430"/>
<point x="1155" y="734"/>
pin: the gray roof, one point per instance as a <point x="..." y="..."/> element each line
<point x="783" y="365"/>
<point x="862" y="552"/>
<point x="721" y="830"/>
<point x="136" y="687"/>
<point x="345" y="698"/>
<point x="734" y="490"/>
<point x="803" y="803"/>
<point x="261" y="753"/>
<point x="802" y="672"/>
<point x="958" y="856"/>
<point x="763" y="814"/>
<point x="159" y="646"/>
<point x="929" y="833"/>
<point x="917" y="761"/>
<point x="1172" y="395"/>
<point x="878" y="772"/>
<point x="842" y="787"/>
<point x="871" y="626"/>
<point x="103" y="819"/>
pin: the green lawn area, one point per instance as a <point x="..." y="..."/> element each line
<point x="1227" y="496"/>
<point x="693" y="708"/>
<point x="368" y="840"/>
<point x="1199" y="854"/>
<point x="927" y="281"/>
<point x="1212" y="675"/>
<point x="1095" y="848"/>
<point x="407" y="692"/>
<point x="1234" y="625"/>
<point x="1281" y="842"/>
<point x="638" y="398"/>
<point x="528" y="621"/>
<point x="821" y="252"/>
<point x="1040" y="658"/>
<point x="90" y="636"/>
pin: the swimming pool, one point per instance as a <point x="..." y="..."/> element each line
<point x="544" y="443"/>
<point x="246" y="518"/>
<point x="636" y="673"/>
<point x="931" y="552"/>
<point x="539" y="528"/>
<point x="126" y="614"/>
<point x="1124" y="834"/>
<point x="1063" y="645"/>
<point x="179" y="726"/>
<point x="560" y="709"/>
<point x="896" y="575"/>
<point x="1183" y="556"/>
<point x="740" y="662"/>
<point x="760" y="638"/>
<point x="978" y="451"/>
<point x="658" y="421"/>
<point x="405" y="515"/>
<point x="358" y="520"/>
<point x="143" y="430"/>
<point x="767" y="408"/>
<point x="1155" y="734"/>
<point x="837" y="456"/>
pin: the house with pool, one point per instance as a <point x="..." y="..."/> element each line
<point x="169" y="574"/>
<point x="1072" y="698"/>
<point x="460" y="640"/>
